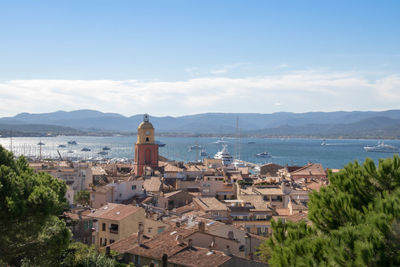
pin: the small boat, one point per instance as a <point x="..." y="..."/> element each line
<point x="106" y="148"/>
<point x="41" y="144"/>
<point x="251" y="142"/>
<point x="62" y="146"/>
<point x="70" y="151"/>
<point x="160" y="144"/>
<point x="85" y="149"/>
<point x="72" y="142"/>
<point x="323" y="143"/>
<point x="263" y="155"/>
<point x="103" y="153"/>
<point x="381" y="147"/>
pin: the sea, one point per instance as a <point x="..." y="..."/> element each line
<point x="292" y="151"/>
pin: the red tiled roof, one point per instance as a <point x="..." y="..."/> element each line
<point x="113" y="211"/>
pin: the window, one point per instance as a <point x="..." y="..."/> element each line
<point x="103" y="227"/>
<point x="149" y="229"/>
<point x="111" y="241"/>
<point x="160" y="229"/>
<point x="114" y="228"/>
<point x="136" y="259"/>
<point x="105" y="242"/>
<point x="133" y="187"/>
<point x="101" y="241"/>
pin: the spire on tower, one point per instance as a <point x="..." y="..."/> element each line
<point x="146" y="117"/>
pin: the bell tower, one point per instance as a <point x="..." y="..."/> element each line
<point x="146" y="150"/>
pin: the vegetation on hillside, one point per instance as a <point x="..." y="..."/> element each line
<point x="355" y="221"/>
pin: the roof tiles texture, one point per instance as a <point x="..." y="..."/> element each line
<point x="113" y="211"/>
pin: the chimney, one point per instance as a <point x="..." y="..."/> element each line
<point x="164" y="260"/>
<point x="179" y="239"/>
<point x="190" y="243"/>
<point x="140" y="234"/>
<point x="231" y="235"/>
<point x="202" y="227"/>
<point x="227" y="251"/>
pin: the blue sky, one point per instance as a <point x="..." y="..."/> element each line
<point x="185" y="57"/>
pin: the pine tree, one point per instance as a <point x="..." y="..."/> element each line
<point x="31" y="231"/>
<point x="355" y="221"/>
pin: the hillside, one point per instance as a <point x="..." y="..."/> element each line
<point x="17" y="130"/>
<point x="357" y="124"/>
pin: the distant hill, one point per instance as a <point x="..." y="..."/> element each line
<point x="377" y="127"/>
<point x="16" y="130"/>
<point x="328" y="124"/>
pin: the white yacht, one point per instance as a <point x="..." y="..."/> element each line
<point x="381" y="147"/>
<point x="227" y="159"/>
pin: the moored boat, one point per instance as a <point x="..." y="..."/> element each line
<point x="264" y="154"/>
<point x="382" y="147"/>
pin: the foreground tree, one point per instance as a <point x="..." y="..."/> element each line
<point x="355" y="221"/>
<point x="81" y="255"/>
<point x="83" y="198"/>
<point x="30" y="205"/>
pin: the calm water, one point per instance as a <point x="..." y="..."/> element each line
<point x="335" y="154"/>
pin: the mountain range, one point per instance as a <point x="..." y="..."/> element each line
<point x="359" y="124"/>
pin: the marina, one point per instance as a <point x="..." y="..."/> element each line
<point x="295" y="151"/>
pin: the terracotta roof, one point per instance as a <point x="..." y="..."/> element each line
<point x="184" y="209"/>
<point x="270" y="169"/>
<point x="310" y="169"/>
<point x="114" y="211"/>
<point x="209" y="204"/>
<point x="270" y="191"/>
<point x="283" y="212"/>
<point x="98" y="171"/>
<point x="297" y="217"/>
<point x="172" y="168"/>
<point x="164" y="243"/>
<point x="152" y="185"/>
<point x="196" y="256"/>
<point x="170" y="194"/>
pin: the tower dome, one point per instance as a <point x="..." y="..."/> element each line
<point x="145" y="131"/>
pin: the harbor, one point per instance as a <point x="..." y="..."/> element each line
<point x="334" y="154"/>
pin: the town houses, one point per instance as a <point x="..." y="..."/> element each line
<point x="158" y="212"/>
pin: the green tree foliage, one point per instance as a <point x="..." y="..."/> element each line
<point x="355" y="221"/>
<point x="83" y="197"/>
<point x="30" y="203"/>
<point x="81" y="255"/>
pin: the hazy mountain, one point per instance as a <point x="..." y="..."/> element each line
<point x="280" y="123"/>
<point x="15" y="130"/>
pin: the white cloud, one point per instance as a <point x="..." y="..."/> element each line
<point x="300" y="91"/>
<point x="226" y="68"/>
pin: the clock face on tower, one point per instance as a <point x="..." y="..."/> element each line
<point x="147" y="132"/>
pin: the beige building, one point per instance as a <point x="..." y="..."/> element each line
<point x="212" y="208"/>
<point x="100" y="196"/>
<point x="173" y="200"/>
<point x="113" y="222"/>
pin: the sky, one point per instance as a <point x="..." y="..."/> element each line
<point x="186" y="57"/>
